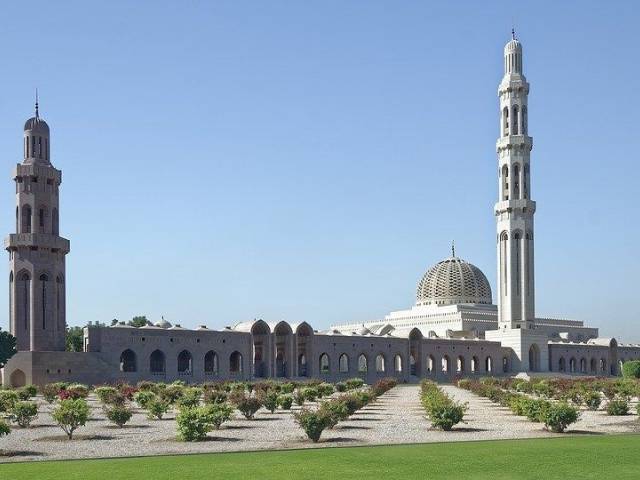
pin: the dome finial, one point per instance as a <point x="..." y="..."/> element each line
<point x="453" y="248"/>
<point x="513" y="33"/>
<point x="37" y="112"/>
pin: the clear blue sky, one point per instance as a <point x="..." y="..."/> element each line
<point x="310" y="160"/>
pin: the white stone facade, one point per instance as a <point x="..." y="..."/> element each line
<point x="453" y="330"/>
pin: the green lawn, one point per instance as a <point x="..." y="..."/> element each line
<point x="568" y="457"/>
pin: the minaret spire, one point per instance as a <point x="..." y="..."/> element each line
<point x="37" y="109"/>
<point x="453" y="248"/>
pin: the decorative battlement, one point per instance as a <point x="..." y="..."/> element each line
<point x="40" y="240"/>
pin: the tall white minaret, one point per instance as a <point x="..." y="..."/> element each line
<point x="514" y="210"/>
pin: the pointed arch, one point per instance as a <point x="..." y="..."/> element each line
<point x="185" y="362"/>
<point x="397" y="363"/>
<point x="324" y="364"/>
<point x="343" y="363"/>
<point x="362" y="363"/>
<point x="381" y="366"/>
<point x="211" y="365"/>
<point x="157" y="363"/>
<point x="235" y="363"/>
<point x="128" y="361"/>
<point x="26" y="218"/>
<point x="514" y="120"/>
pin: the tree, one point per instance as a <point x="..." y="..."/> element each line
<point x="71" y="414"/>
<point x="7" y="347"/>
<point x="138" y="321"/>
<point x="74" y="339"/>
<point x="114" y="322"/>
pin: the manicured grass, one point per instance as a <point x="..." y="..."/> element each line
<point x="567" y="457"/>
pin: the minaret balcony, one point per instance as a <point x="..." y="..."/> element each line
<point x="520" y="206"/>
<point x="39" y="240"/>
<point x="514" y="142"/>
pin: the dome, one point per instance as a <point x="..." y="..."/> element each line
<point x="453" y="281"/>
<point x="513" y="46"/>
<point x="163" y="324"/>
<point x="37" y="124"/>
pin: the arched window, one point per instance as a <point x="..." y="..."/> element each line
<point x="514" y="120"/>
<point x="344" y="363"/>
<point x="505" y="182"/>
<point x="505" y="364"/>
<point x="26" y="219"/>
<point x="60" y="301"/>
<point x="380" y="366"/>
<point x="488" y="365"/>
<point x="446" y="364"/>
<point x="524" y="119"/>
<point x="516" y="182"/>
<point x="594" y="365"/>
<point x="431" y="364"/>
<point x="562" y="365"/>
<point x="412" y="365"/>
<point x="42" y="215"/>
<point x="397" y="363"/>
<point x="185" y="362"/>
<point x="603" y="365"/>
<point x="235" y="362"/>
<point x="302" y="365"/>
<point x="157" y="362"/>
<point x="460" y="366"/>
<point x="505" y="121"/>
<point x="362" y="363"/>
<point x="44" y="281"/>
<point x="128" y="361"/>
<point x="534" y="358"/>
<point x="583" y="365"/>
<point x="475" y="368"/>
<point x="211" y="363"/>
<point x="517" y="250"/>
<point x="55" y="228"/>
<point x="572" y="365"/>
<point x="324" y="363"/>
<point x="23" y="302"/>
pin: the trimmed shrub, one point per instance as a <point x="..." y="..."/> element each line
<point x="246" y="404"/>
<point x="270" y="400"/>
<point x="109" y="396"/>
<point x="383" y="385"/>
<point x="190" y="398"/>
<point x="4" y="428"/>
<point x="219" y="413"/>
<point x="193" y="424"/>
<point x="310" y="393"/>
<point x="354" y="383"/>
<point x="592" y="400"/>
<point x="288" y="387"/>
<point x="146" y="385"/>
<point x="325" y="389"/>
<point x="618" y="407"/>
<point x="156" y="408"/>
<point x="298" y="396"/>
<point x="341" y="387"/>
<point x="558" y="416"/>
<point x="171" y="393"/>
<point x="313" y="422"/>
<point x="212" y="396"/>
<point x="631" y="369"/>
<point x="144" y="397"/>
<point x="70" y="414"/>
<point x="119" y="414"/>
<point x="23" y="413"/>
<point x="27" y="392"/>
<point x="464" y="383"/>
<point x="334" y="411"/>
<point x="285" y="401"/>
<point x="127" y="391"/>
<point x="77" y="390"/>
<point x="443" y="412"/>
<point x="50" y="392"/>
<point x="8" y="398"/>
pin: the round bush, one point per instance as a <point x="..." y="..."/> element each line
<point x="23" y="413"/>
<point x="4" y="428"/>
<point x="313" y="422"/>
<point x="8" y="398"/>
<point x="193" y="424"/>
<point x="558" y="416"/>
<point x="119" y="414"/>
<point x="71" y="414"/>
<point x="592" y="400"/>
<point x="270" y="400"/>
<point x="144" y="397"/>
<point x="285" y="401"/>
<point x="618" y="407"/>
<point x="156" y="408"/>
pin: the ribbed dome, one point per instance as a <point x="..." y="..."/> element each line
<point x="453" y="281"/>
<point x="36" y="124"/>
<point x="513" y="46"/>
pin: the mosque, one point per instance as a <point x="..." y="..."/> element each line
<point x="454" y="329"/>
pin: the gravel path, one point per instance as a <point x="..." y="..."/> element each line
<point x="397" y="417"/>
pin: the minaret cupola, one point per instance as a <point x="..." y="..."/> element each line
<point x="36" y="139"/>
